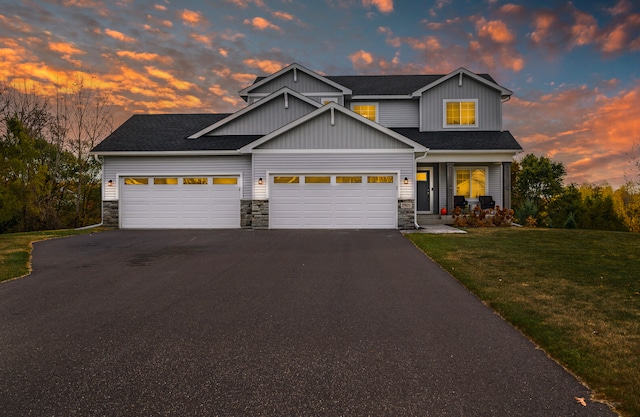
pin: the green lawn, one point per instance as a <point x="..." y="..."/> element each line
<point x="15" y="250"/>
<point x="576" y="293"/>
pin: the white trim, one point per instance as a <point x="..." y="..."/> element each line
<point x="332" y="151"/>
<point x="473" y="157"/>
<point x="295" y="67"/>
<point x="283" y="91"/>
<point x="431" y="189"/>
<point x="460" y="71"/>
<point x="366" y="103"/>
<point x="460" y="126"/>
<point x="250" y="147"/>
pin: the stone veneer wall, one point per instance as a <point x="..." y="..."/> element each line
<point x="260" y="214"/>
<point x="246" y="214"/>
<point x="110" y="214"/>
<point x="406" y="219"/>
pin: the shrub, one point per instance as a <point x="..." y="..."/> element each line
<point x="483" y="218"/>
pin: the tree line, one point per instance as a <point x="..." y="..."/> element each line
<point x="540" y="198"/>
<point x="48" y="180"/>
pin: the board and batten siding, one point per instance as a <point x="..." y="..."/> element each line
<point x="265" y="164"/>
<point x="304" y="84"/>
<point x="115" y="166"/>
<point x="489" y="104"/>
<point x="266" y="118"/>
<point x="345" y="133"/>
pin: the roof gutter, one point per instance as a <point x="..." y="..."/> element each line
<point x="164" y="153"/>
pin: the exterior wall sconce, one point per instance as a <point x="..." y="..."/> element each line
<point x="110" y="183"/>
<point x="406" y="180"/>
<point x="260" y="181"/>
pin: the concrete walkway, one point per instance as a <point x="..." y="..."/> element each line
<point x="435" y="229"/>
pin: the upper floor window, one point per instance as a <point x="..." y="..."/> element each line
<point x="368" y="110"/>
<point x="461" y="113"/>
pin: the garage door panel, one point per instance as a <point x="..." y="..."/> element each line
<point x="334" y="205"/>
<point x="175" y="206"/>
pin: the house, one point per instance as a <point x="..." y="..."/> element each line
<point x="314" y="151"/>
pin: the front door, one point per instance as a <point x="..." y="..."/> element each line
<point x="424" y="190"/>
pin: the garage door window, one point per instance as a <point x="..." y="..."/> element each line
<point x="377" y="179"/>
<point x="165" y="181"/>
<point x="195" y="181"/>
<point x="348" y="180"/>
<point x="136" y="181"/>
<point x="317" y="180"/>
<point x="286" y="180"/>
<point x="225" y="180"/>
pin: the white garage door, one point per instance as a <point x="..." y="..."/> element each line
<point x="199" y="202"/>
<point x="366" y="201"/>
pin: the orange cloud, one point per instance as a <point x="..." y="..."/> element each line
<point x="542" y="23"/>
<point x="119" y="36"/>
<point x="160" y="7"/>
<point x="585" y="29"/>
<point x="178" y="84"/>
<point x="261" y="23"/>
<point x="145" y="56"/>
<point x="202" y="39"/>
<point x="65" y="48"/>
<point x="384" y="6"/>
<point x="360" y="58"/>
<point x="494" y="29"/>
<point x="245" y="3"/>
<point x="191" y="18"/>
<point x="266" y="65"/>
<point x="283" y="15"/>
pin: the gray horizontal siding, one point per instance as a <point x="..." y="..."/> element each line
<point x="266" y="118"/>
<point x="399" y="113"/>
<point x="347" y="133"/>
<point x="489" y="104"/>
<point x="304" y="84"/>
<point x="195" y="165"/>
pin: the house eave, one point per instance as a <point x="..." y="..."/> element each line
<point x="165" y="153"/>
<point x="504" y="92"/>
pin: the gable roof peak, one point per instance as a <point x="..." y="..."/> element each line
<point x="505" y="92"/>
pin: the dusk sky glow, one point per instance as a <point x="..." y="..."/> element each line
<point x="574" y="67"/>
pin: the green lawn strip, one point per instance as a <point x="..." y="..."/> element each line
<point x="576" y="293"/>
<point x="15" y="250"/>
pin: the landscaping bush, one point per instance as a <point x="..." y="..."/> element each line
<point x="483" y="218"/>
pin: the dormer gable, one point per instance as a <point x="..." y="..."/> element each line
<point x="263" y="116"/>
<point x="297" y="78"/>
<point x="461" y="73"/>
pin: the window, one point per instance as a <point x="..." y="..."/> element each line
<point x="380" y="179"/>
<point x="136" y="181"/>
<point x="368" y="110"/>
<point x="225" y="180"/>
<point x="317" y="180"/>
<point x="460" y="113"/>
<point x="286" y="180"/>
<point x="165" y="181"/>
<point x="195" y="181"/>
<point x="348" y="179"/>
<point x="471" y="182"/>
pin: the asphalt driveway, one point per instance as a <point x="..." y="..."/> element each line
<point x="262" y="323"/>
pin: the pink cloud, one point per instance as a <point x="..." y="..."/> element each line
<point x="119" y="36"/>
<point x="496" y="30"/>
<point x="191" y="18"/>
<point x="266" y="65"/>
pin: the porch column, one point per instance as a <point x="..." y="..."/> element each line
<point x="450" y="184"/>
<point x="506" y="185"/>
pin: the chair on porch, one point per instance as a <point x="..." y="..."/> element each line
<point x="459" y="201"/>
<point x="486" y="202"/>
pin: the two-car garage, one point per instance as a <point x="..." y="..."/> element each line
<point x="336" y="201"/>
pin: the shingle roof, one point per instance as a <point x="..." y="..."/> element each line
<point x="168" y="132"/>
<point x="461" y="140"/>
<point x="371" y="85"/>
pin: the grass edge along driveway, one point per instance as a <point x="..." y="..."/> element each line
<point x="16" y="249"/>
<point x="575" y="293"/>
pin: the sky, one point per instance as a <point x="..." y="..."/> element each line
<point x="574" y="67"/>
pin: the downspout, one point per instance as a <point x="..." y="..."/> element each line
<point x="415" y="209"/>
<point x="101" y="205"/>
